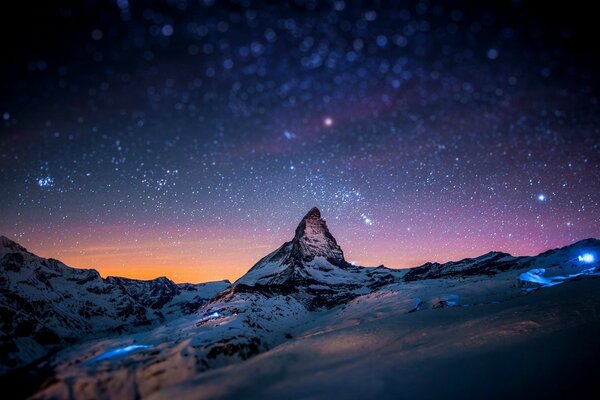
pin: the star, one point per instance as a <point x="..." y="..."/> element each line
<point x="289" y="135"/>
<point x="278" y="112"/>
<point x="45" y="181"/>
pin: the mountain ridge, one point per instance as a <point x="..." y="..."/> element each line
<point x="7" y="243"/>
<point x="46" y="305"/>
<point x="339" y="316"/>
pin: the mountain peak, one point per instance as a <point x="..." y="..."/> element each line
<point x="313" y="239"/>
<point x="314" y="213"/>
<point x="311" y="225"/>
<point x="293" y="261"/>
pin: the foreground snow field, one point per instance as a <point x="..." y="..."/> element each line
<point x="542" y="345"/>
<point x="304" y="323"/>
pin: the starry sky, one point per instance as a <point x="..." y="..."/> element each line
<point x="188" y="138"/>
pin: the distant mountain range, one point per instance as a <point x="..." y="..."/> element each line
<point x="126" y="338"/>
<point x="45" y="305"/>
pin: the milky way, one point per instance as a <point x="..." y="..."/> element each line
<point x="188" y="139"/>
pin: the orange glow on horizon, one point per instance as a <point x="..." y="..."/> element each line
<point x="189" y="261"/>
<point x="215" y="253"/>
<point x="142" y="263"/>
<point x="182" y="262"/>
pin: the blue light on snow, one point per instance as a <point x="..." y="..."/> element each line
<point x="214" y="314"/>
<point x="119" y="351"/>
<point x="587" y="258"/>
<point x="536" y="276"/>
<point x="450" y="299"/>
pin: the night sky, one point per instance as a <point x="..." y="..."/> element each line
<point x="188" y="138"/>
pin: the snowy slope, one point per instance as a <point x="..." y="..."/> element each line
<point x="382" y="339"/>
<point x="540" y="345"/>
<point x="303" y="320"/>
<point x="489" y="264"/>
<point x="45" y="304"/>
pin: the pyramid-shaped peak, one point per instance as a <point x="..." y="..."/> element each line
<point x="313" y="239"/>
<point x="314" y="213"/>
<point x="312" y="225"/>
<point x="313" y="246"/>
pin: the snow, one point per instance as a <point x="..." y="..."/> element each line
<point x="523" y="342"/>
<point x="304" y="325"/>
<point x="373" y="337"/>
<point x="58" y="304"/>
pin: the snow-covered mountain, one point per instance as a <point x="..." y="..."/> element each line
<point x="495" y="262"/>
<point x="313" y="268"/>
<point x="304" y="323"/>
<point x="45" y="305"/>
<point x="312" y="251"/>
<point x="488" y="264"/>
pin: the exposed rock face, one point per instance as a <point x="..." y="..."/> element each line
<point x="313" y="239"/>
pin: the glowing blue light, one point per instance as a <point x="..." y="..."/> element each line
<point x="120" y="351"/>
<point x="541" y="197"/>
<point x="587" y="258"/>
<point x="213" y="315"/>
<point x="537" y="276"/>
<point x="451" y="300"/>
